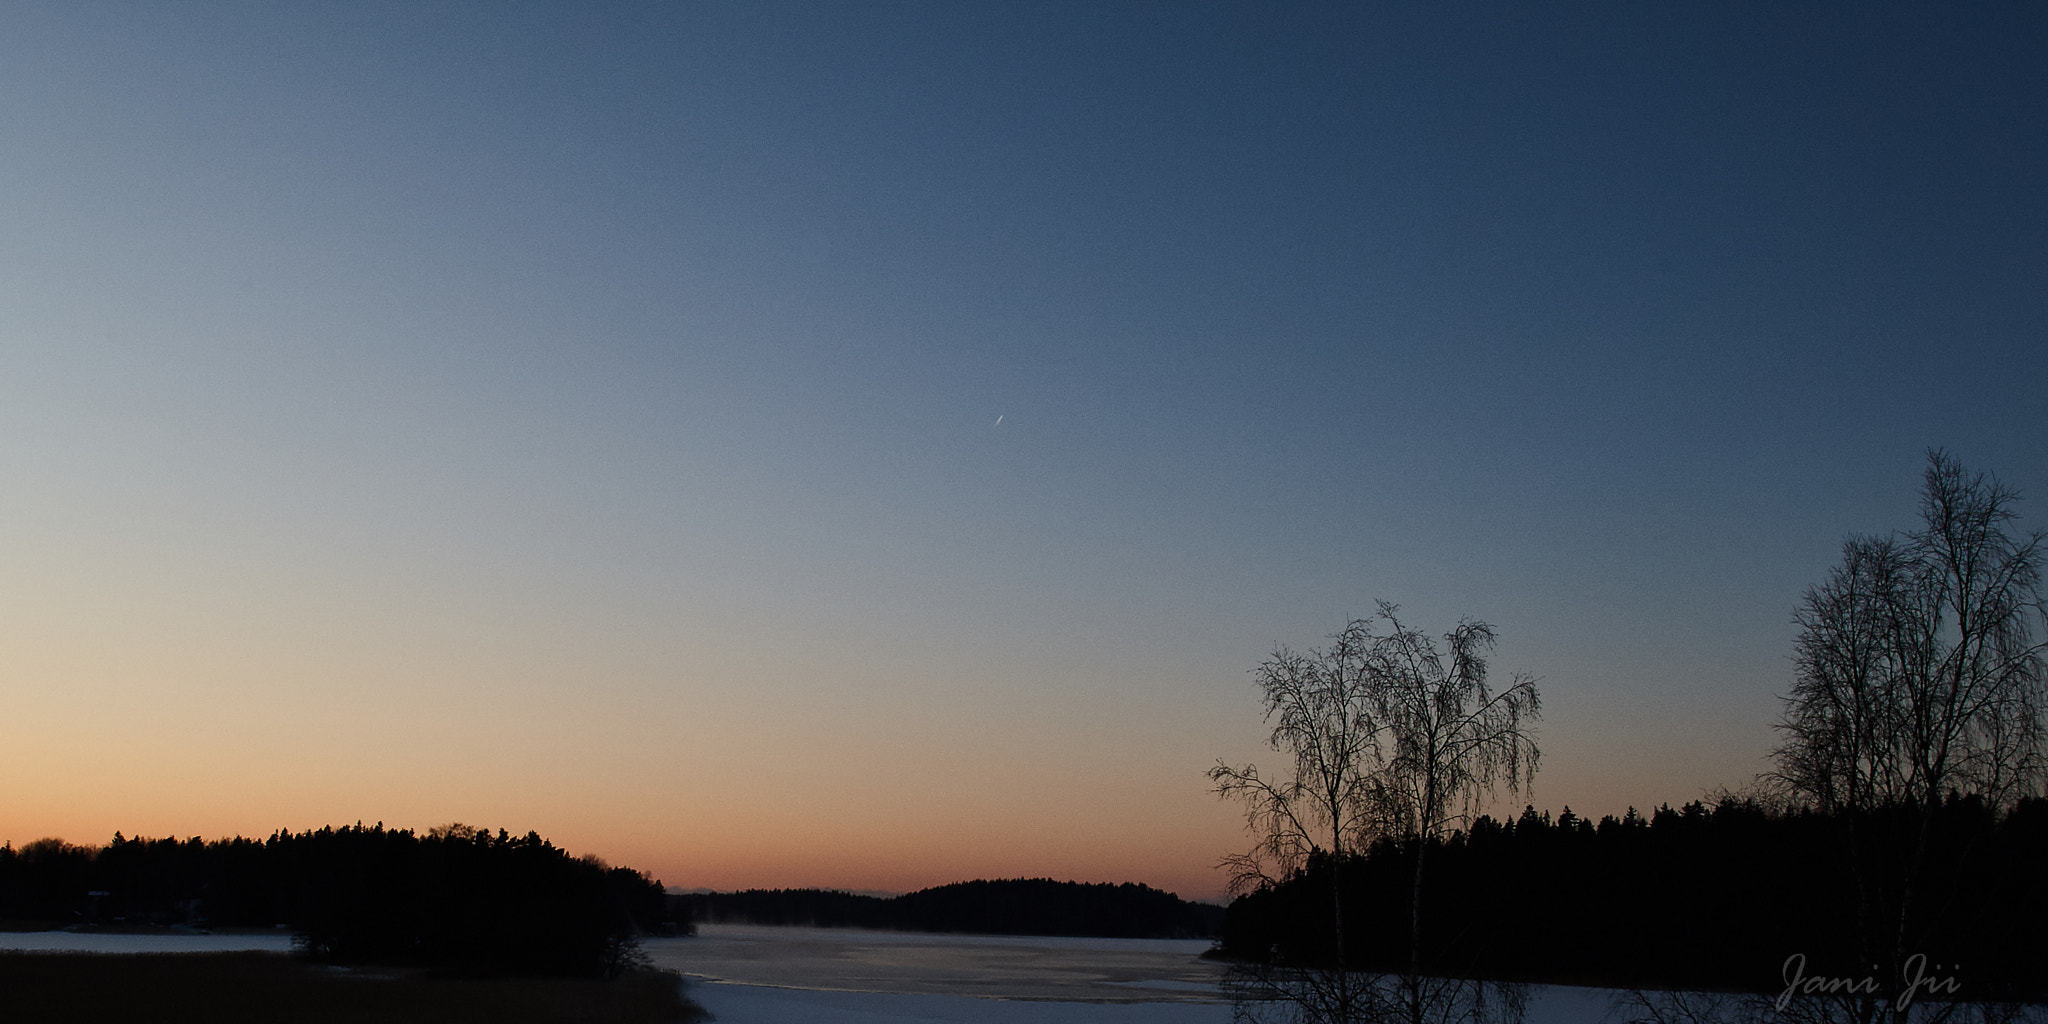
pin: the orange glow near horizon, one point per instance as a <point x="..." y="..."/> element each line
<point x="848" y="832"/>
<point x="155" y="693"/>
<point x="167" y="725"/>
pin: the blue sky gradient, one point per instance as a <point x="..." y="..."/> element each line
<point x="584" y="417"/>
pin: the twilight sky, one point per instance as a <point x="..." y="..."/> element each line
<point x="584" y="417"/>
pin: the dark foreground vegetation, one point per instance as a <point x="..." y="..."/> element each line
<point x="456" y="900"/>
<point x="264" y="988"/>
<point x="1702" y="897"/>
<point x="1023" y="906"/>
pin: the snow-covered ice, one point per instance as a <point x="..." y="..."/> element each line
<point x="755" y="1004"/>
<point x="986" y="966"/>
<point x="761" y="975"/>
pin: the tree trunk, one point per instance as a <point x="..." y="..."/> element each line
<point x="1415" y="934"/>
<point x="1344" y="1009"/>
<point x="1424" y="824"/>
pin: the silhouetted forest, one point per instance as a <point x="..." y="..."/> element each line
<point x="1701" y="897"/>
<point x="1023" y="906"/>
<point x="457" y="900"/>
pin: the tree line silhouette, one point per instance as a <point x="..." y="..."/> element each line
<point x="1022" y="906"/>
<point x="457" y="900"/>
<point x="1898" y="855"/>
<point x="1705" y="896"/>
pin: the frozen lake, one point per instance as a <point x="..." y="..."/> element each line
<point x="747" y="1004"/>
<point x="776" y="975"/>
<point x="759" y="975"/>
<point x="979" y="966"/>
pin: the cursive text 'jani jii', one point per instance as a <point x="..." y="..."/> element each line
<point x="1913" y="974"/>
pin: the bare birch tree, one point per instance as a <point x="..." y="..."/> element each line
<point x="1391" y="736"/>
<point x="1918" y="678"/>
<point x="1322" y="708"/>
<point x="1454" y="741"/>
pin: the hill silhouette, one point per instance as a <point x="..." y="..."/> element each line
<point x="1018" y="906"/>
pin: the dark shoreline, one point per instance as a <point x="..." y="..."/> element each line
<point x="257" y="987"/>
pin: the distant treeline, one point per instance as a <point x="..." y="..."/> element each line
<point x="457" y="899"/>
<point x="1023" y="906"/>
<point x="1701" y="897"/>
